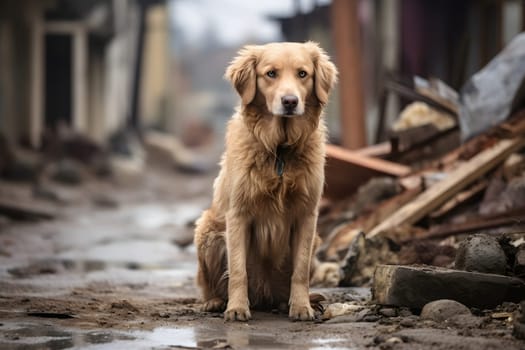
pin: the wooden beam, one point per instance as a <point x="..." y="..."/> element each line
<point x="379" y="150"/>
<point x="37" y="82"/>
<point x="415" y="286"/>
<point x="25" y="211"/>
<point x="513" y="219"/>
<point x="523" y="15"/>
<point x="455" y="181"/>
<point x="459" y="199"/>
<point x="347" y="170"/>
<point x="348" y="56"/>
<point x="79" y="57"/>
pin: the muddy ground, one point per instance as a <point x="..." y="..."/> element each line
<point x="115" y="270"/>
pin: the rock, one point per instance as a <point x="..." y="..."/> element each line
<point x="465" y="321"/>
<point x="404" y="312"/>
<point x="415" y="286"/>
<point x="408" y="322"/>
<point x="357" y="316"/>
<point x="67" y="172"/>
<point x="442" y="310"/>
<point x="371" y="318"/>
<point x="339" y="309"/>
<point x="388" y="312"/>
<point x="394" y="340"/>
<point x="481" y="253"/>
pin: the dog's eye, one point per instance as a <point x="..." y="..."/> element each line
<point x="302" y="74"/>
<point x="271" y="73"/>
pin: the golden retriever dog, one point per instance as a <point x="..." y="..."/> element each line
<point x="256" y="243"/>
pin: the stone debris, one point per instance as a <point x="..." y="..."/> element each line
<point x="340" y="309"/>
<point x="481" y="253"/>
<point x="443" y="309"/>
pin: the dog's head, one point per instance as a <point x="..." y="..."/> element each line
<point x="286" y="76"/>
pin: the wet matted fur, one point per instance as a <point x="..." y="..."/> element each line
<point x="257" y="241"/>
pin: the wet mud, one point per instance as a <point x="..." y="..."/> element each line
<point x="122" y="277"/>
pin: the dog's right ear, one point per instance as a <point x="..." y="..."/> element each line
<point x="241" y="73"/>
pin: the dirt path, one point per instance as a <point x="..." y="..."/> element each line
<point x="115" y="271"/>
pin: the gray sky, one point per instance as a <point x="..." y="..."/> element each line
<point x="233" y="21"/>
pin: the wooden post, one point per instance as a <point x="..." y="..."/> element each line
<point x="37" y="83"/>
<point x="8" y="121"/>
<point x="79" y="78"/>
<point x="348" y="56"/>
<point x="79" y="84"/>
<point x="523" y="15"/>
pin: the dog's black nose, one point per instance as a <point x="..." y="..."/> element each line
<point x="289" y="102"/>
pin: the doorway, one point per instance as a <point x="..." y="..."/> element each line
<point x="58" y="80"/>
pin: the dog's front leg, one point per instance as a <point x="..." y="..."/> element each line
<point x="237" y="241"/>
<point x="303" y="237"/>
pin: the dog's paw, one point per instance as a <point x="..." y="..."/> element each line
<point x="237" y="314"/>
<point x="327" y="275"/>
<point x="301" y="312"/>
<point x="214" y="305"/>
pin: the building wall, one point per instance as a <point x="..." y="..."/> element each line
<point x="18" y="20"/>
<point x="109" y="69"/>
<point x="155" y="69"/>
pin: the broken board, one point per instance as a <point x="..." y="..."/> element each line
<point x="415" y="286"/>
<point x="457" y="180"/>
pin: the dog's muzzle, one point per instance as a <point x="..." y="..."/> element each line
<point x="289" y="103"/>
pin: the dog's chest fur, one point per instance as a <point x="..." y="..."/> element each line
<point x="273" y="199"/>
<point x="281" y="196"/>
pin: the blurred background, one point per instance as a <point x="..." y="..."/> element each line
<point x="99" y="67"/>
<point x="112" y="120"/>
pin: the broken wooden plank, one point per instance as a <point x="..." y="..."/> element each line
<point x="347" y="170"/>
<point x="460" y="198"/>
<point x="458" y="179"/>
<point x="25" y="211"/>
<point x="415" y="286"/>
<point x="406" y="139"/>
<point x="379" y="150"/>
<point x="514" y="218"/>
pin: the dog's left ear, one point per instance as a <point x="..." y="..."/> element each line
<point x="325" y="72"/>
<point x="241" y="73"/>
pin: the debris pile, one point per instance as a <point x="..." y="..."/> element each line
<point x="438" y="210"/>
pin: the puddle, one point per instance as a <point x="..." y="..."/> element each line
<point x="155" y="216"/>
<point x="56" y="266"/>
<point x="331" y="343"/>
<point x="205" y="337"/>
<point x="41" y="336"/>
<point x="47" y="336"/>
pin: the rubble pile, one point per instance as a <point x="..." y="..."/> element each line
<point x="436" y="214"/>
<point x="422" y="217"/>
